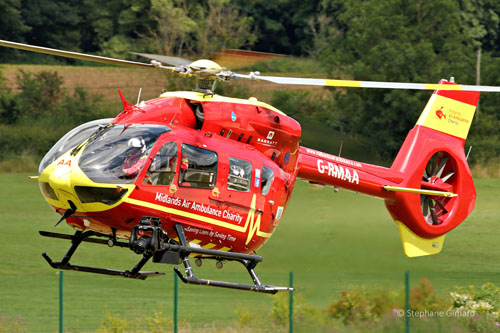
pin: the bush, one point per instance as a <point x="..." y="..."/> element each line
<point x="277" y="319"/>
<point x="28" y="139"/>
<point x="158" y="323"/>
<point x="481" y="306"/>
<point x="359" y="304"/>
<point x="424" y="298"/>
<point x="33" y="120"/>
<point x="11" y="324"/>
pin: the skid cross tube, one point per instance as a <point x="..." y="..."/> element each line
<point x="80" y="237"/>
<point x="247" y="260"/>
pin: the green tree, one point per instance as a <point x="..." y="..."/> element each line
<point x="199" y="28"/>
<point x="12" y="27"/>
<point x="392" y="40"/>
<point x="53" y="23"/>
<point x="43" y="102"/>
<point x="221" y="26"/>
<point x="281" y="26"/>
<point x="480" y="21"/>
<point x="40" y="93"/>
<point x="115" y="28"/>
<point x="174" y="29"/>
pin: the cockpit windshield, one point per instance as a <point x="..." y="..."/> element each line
<point x="118" y="153"/>
<point x="73" y="138"/>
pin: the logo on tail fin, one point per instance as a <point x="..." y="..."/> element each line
<point x="448" y="115"/>
<point x="440" y="114"/>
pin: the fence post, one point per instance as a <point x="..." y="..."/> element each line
<point x="175" y="302"/>
<point x="61" y="301"/>
<point x="290" y="315"/>
<point x="407" y="301"/>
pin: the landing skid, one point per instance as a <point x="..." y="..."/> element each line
<point x="80" y="237"/>
<point x="248" y="260"/>
<point x="162" y="251"/>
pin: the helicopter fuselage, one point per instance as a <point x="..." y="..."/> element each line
<point x="223" y="168"/>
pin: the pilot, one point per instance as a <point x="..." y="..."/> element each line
<point x="184" y="168"/>
<point x="184" y="163"/>
<point x="238" y="171"/>
<point x="136" y="157"/>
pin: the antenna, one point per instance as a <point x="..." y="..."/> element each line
<point x="467" y="157"/>
<point x="139" y="96"/>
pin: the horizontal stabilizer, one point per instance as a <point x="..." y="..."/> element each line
<point x="416" y="246"/>
<point x="420" y="191"/>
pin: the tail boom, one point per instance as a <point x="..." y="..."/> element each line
<point x="326" y="169"/>
<point x="429" y="188"/>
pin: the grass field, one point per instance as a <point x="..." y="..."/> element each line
<point x="329" y="240"/>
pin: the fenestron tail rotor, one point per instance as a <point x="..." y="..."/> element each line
<point x="438" y="174"/>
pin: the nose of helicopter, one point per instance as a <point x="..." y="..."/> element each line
<point x="60" y="182"/>
<point x="65" y="186"/>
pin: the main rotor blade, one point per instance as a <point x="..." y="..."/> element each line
<point x="365" y="84"/>
<point x="167" y="60"/>
<point x="81" y="56"/>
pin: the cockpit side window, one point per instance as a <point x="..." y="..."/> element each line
<point x="198" y="167"/>
<point x="240" y="175"/>
<point x="162" y="168"/>
<point x="267" y="180"/>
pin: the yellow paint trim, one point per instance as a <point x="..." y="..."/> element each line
<point x="456" y="117"/>
<point x="224" y="249"/>
<point x="209" y="246"/>
<point x="343" y="83"/>
<point x="201" y="97"/>
<point x="252" y="225"/>
<point x="416" y="246"/>
<point x="420" y="191"/>
<point x="68" y="177"/>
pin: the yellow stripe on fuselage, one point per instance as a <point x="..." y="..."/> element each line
<point x="252" y="225"/>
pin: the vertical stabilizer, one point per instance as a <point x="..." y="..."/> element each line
<point x="433" y="161"/>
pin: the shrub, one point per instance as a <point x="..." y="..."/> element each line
<point x="34" y="119"/>
<point x="358" y="304"/>
<point x="158" y="323"/>
<point x="483" y="304"/>
<point x="424" y="298"/>
<point x="11" y="324"/>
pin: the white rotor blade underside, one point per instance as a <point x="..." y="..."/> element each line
<point x="365" y="84"/>
<point x="168" y="60"/>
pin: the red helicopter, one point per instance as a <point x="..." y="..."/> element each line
<point x="195" y="174"/>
